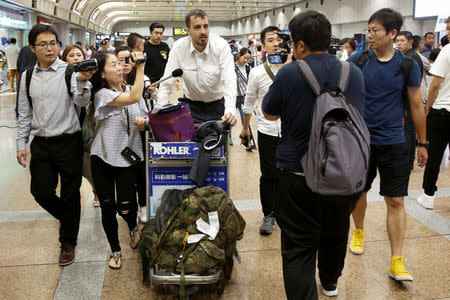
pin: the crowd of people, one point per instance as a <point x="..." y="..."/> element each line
<point x="399" y="84"/>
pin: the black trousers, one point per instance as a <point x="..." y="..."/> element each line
<point x="310" y="223"/>
<point x="438" y="133"/>
<point x="205" y="111"/>
<point x="110" y="181"/>
<point x="63" y="157"/>
<point x="268" y="182"/>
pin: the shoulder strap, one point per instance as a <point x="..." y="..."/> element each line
<point x="363" y="58"/>
<point x="68" y="77"/>
<point x="309" y="76"/>
<point x="29" y="73"/>
<point x="344" y="76"/>
<point x="269" y="71"/>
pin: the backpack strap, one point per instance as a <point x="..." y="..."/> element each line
<point x="29" y="73"/>
<point x="309" y="76"/>
<point x="68" y="77"/>
<point x="344" y="76"/>
<point x="363" y="58"/>
<point x="405" y="68"/>
<point x="269" y="71"/>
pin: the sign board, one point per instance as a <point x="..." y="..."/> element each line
<point x="162" y="178"/>
<point x="179" y="31"/>
<point x="6" y="21"/>
<point x="440" y="23"/>
<point x="253" y="36"/>
<point x="173" y="150"/>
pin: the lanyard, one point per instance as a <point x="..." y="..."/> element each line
<point x="125" y="109"/>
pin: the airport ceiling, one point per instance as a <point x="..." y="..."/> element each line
<point x="105" y="13"/>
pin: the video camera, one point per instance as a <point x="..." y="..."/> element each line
<point x="86" y="65"/>
<point x="103" y="42"/>
<point x="129" y="59"/>
<point x="285" y="48"/>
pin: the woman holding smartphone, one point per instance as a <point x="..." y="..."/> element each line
<point x="117" y="147"/>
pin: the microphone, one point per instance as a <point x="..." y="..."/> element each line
<point x="175" y="73"/>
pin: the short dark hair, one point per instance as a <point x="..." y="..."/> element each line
<point x="250" y="43"/>
<point x="389" y="18"/>
<point x="434" y="54"/>
<point x="407" y="34"/>
<point x="132" y="39"/>
<point x="156" y="25"/>
<point x="232" y="41"/>
<point x="244" y="51"/>
<point x="448" y="20"/>
<point x="265" y="31"/>
<point x="78" y="43"/>
<point x="350" y="41"/>
<point x="106" y="39"/>
<point x="416" y="41"/>
<point x="313" y="28"/>
<point x="13" y="40"/>
<point x="425" y="36"/>
<point x="121" y="48"/>
<point x="444" y="41"/>
<point x="59" y="43"/>
<point x="195" y="13"/>
<point x="37" y="30"/>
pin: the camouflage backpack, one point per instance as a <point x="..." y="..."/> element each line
<point x="171" y="251"/>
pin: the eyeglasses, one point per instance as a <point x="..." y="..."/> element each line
<point x="45" y="44"/>
<point x="373" y="31"/>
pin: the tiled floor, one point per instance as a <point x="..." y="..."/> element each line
<point x="29" y="248"/>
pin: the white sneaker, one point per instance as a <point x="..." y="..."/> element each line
<point x="142" y="214"/>
<point x="426" y="201"/>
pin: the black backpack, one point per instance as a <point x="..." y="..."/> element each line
<point x="29" y="74"/>
<point x="404" y="69"/>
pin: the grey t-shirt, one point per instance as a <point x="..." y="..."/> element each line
<point x="113" y="135"/>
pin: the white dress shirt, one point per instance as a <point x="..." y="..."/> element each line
<point x="53" y="112"/>
<point x="257" y="87"/>
<point x="207" y="75"/>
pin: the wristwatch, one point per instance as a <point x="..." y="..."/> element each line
<point x="425" y="145"/>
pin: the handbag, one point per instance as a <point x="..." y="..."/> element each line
<point x="173" y="123"/>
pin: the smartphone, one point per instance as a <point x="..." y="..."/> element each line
<point x="130" y="155"/>
<point x="274" y="59"/>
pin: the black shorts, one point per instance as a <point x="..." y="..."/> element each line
<point x="392" y="162"/>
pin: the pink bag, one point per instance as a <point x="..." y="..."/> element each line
<point x="173" y="123"/>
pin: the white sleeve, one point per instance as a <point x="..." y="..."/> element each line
<point x="251" y="95"/>
<point x="228" y="78"/>
<point x="101" y="100"/>
<point x="441" y="66"/>
<point x="166" y="87"/>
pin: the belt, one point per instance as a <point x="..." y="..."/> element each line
<point x="197" y="101"/>
<point x="62" y="137"/>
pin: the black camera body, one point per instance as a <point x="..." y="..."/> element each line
<point x="129" y="59"/>
<point x="281" y="56"/>
<point x="86" y="65"/>
<point x="103" y="42"/>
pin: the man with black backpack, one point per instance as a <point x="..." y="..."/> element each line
<point x="46" y="111"/>
<point x="390" y="78"/>
<point x="309" y="221"/>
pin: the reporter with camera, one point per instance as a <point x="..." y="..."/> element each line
<point x="46" y="111"/>
<point x="74" y="54"/>
<point x="269" y="132"/>
<point x="117" y="147"/>
<point x="129" y="76"/>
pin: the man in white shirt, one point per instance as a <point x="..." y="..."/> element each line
<point x="12" y="53"/>
<point x="438" y="122"/>
<point x="269" y="132"/>
<point x="208" y="72"/>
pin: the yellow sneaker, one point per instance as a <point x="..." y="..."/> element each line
<point x="357" y="242"/>
<point x="398" y="270"/>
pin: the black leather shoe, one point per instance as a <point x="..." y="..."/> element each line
<point x="67" y="255"/>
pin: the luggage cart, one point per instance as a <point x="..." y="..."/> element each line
<point x="167" y="167"/>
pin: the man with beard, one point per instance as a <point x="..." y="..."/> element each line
<point x="208" y="72"/>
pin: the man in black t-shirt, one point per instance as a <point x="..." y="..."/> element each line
<point x="157" y="53"/>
